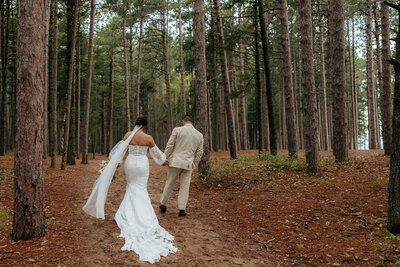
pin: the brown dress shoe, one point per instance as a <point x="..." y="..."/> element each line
<point x="163" y="208"/>
<point x="182" y="213"/>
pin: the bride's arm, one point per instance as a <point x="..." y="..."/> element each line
<point x="157" y="155"/>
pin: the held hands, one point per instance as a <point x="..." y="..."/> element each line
<point x="166" y="163"/>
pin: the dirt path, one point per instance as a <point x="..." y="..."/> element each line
<point x="198" y="242"/>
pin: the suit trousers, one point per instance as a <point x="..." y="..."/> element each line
<point x="184" y="184"/>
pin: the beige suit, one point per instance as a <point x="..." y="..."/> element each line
<point x="184" y="150"/>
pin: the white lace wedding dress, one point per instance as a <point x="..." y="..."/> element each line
<point x="136" y="217"/>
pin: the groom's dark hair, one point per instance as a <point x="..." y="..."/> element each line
<point x="187" y="118"/>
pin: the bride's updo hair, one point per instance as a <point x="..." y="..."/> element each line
<point x="141" y="121"/>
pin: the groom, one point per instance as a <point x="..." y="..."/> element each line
<point x="184" y="150"/>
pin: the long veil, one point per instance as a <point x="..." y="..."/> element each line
<point x="95" y="204"/>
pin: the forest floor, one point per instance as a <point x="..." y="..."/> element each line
<point x="253" y="211"/>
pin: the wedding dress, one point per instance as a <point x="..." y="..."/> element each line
<point x="135" y="217"/>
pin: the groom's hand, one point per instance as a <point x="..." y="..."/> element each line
<point x="165" y="163"/>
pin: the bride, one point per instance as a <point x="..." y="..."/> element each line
<point x="135" y="217"/>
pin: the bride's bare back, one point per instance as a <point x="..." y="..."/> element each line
<point x="140" y="139"/>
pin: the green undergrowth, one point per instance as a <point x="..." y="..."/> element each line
<point x="4" y="219"/>
<point x="256" y="165"/>
<point x="6" y="174"/>
<point x="388" y="246"/>
<point x="6" y="178"/>
<point x="253" y="166"/>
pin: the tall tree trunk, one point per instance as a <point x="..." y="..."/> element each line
<point x="310" y="97"/>
<point x="264" y="107"/>
<point x="13" y="80"/>
<point x="243" y="100"/>
<point x="325" y="133"/>
<point x="385" y="93"/>
<point x="201" y="82"/>
<point x="373" y="142"/>
<point x="235" y="102"/>
<point x="297" y="106"/>
<point x="216" y="118"/>
<point x="103" y="124"/>
<point x="139" y="67"/>
<point x="53" y="91"/>
<point x="225" y="81"/>
<point x="350" y="92"/>
<point x="354" y="93"/>
<point x="126" y="71"/>
<point x="259" y="128"/>
<point x="377" y="34"/>
<point x="131" y="72"/>
<point x="69" y="93"/>
<point x="4" y="62"/>
<point x="337" y="45"/>
<point x="223" y="138"/>
<point x="111" y="105"/>
<point x="46" y="80"/>
<point x="72" y="130"/>
<point x="95" y="119"/>
<point x="78" y="91"/>
<point x="3" y="90"/>
<point x="85" y="136"/>
<point x="288" y="83"/>
<point x="272" y="132"/>
<point x="394" y="178"/>
<point x="183" y="98"/>
<point x="233" y="83"/>
<point x="29" y="217"/>
<point x="166" y="71"/>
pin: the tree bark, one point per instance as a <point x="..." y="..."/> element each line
<point x="393" y="224"/>
<point x="29" y="217"/>
<point x="225" y="81"/>
<point x="4" y="62"/>
<point x="78" y="91"/>
<point x="288" y="83"/>
<point x="338" y="80"/>
<point x="350" y="92"/>
<point x="272" y="131"/>
<point x="354" y="93"/>
<point x="131" y="72"/>
<point x="126" y="72"/>
<point x="85" y="137"/>
<point x="72" y="130"/>
<point x="201" y="82"/>
<point x="385" y="93"/>
<point x="233" y="83"/>
<point x="378" y="50"/>
<point x="243" y="110"/>
<point x="166" y="71"/>
<point x="53" y="91"/>
<point x="259" y="127"/>
<point x="324" y="119"/>
<point x="3" y="91"/>
<point x="46" y="80"/>
<point x="373" y="142"/>
<point x="110" y="113"/>
<point x="69" y="92"/>
<point x="182" y="70"/>
<point x="308" y="85"/>
<point x="139" y="67"/>
<point x="216" y="119"/>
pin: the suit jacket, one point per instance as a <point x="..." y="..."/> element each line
<point x="184" y="148"/>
